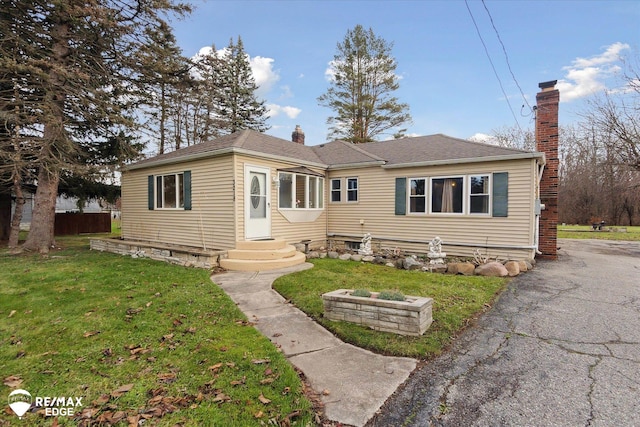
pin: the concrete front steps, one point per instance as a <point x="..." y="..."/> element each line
<point x="262" y="255"/>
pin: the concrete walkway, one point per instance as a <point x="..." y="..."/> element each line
<point x="561" y="347"/>
<point x="353" y="383"/>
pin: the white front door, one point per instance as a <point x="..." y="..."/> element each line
<point x="257" y="211"/>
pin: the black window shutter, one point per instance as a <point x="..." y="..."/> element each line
<point x="500" y="194"/>
<point x="187" y="190"/>
<point x="401" y="196"/>
<point x="151" y="193"/>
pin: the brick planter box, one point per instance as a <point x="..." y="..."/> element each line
<point x="409" y="317"/>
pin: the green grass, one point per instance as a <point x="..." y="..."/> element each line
<point x="586" y="232"/>
<point x="456" y="301"/>
<point x="83" y="324"/>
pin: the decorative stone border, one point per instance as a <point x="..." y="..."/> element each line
<point x="410" y="317"/>
<point x="174" y="254"/>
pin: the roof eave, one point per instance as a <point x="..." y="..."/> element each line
<point x="519" y="156"/>
<point x="356" y="165"/>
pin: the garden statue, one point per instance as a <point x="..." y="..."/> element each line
<point x="365" y="246"/>
<point x="435" y="254"/>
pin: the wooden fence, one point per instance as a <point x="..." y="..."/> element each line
<point x="77" y="223"/>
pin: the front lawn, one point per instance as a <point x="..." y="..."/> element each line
<point x="457" y="300"/>
<point x="136" y="339"/>
<point x="587" y="232"/>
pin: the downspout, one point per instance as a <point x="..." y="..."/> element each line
<point x="537" y="209"/>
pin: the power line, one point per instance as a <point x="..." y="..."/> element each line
<point x="506" y="56"/>
<point x="493" y="66"/>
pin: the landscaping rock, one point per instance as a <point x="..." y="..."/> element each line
<point x="323" y="255"/>
<point x="390" y="264"/>
<point x="380" y="260"/>
<point x="333" y="255"/>
<point x="529" y="265"/>
<point x="513" y="268"/>
<point x="299" y="247"/>
<point x="313" y="255"/>
<point x="410" y="263"/>
<point x="492" y="269"/>
<point x="464" y="268"/>
<point x="523" y="266"/>
<point x="356" y="257"/>
<point x="345" y="257"/>
<point x="435" y="268"/>
<point x="368" y="258"/>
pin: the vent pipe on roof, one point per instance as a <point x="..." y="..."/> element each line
<point x="298" y="135"/>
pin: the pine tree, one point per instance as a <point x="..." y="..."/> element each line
<point x="75" y="74"/>
<point x="361" y="92"/>
<point x="164" y="78"/>
<point x="237" y="106"/>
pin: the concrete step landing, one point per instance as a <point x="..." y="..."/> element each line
<point x="262" y="255"/>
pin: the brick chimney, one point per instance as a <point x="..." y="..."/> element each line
<point x="297" y="135"/>
<point x="547" y="142"/>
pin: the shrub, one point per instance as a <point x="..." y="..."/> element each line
<point x="361" y="293"/>
<point x="391" y="296"/>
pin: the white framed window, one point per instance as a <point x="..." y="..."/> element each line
<point x="170" y="191"/>
<point x="352" y="189"/>
<point x="336" y="190"/>
<point x="417" y="195"/>
<point x="479" y="194"/>
<point x="447" y="195"/>
<point x="299" y="191"/>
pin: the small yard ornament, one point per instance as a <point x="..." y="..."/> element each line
<point x="435" y="254"/>
<point x="365" y="246"/>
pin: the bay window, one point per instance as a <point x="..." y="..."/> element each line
<point x="298" y="191"/>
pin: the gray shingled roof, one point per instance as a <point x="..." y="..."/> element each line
<point x="247" y="140"/>
<point x="432" y="148"/>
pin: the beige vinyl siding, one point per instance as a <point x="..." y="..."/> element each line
<point x="280" y="226"/>
<point x="210" y="223"/>
<point x="376" y="208"/>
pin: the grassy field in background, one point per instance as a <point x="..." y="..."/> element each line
<point x="136" y="338"/>
<point x="587" y="232"/>
<point x="457" y="301"/>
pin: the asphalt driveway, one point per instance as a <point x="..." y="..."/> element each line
<point x="561" y="347"/>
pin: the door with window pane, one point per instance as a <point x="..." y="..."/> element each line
<point x="257" y="205"/>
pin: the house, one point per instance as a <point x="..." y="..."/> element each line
<point x="245" y="188"/>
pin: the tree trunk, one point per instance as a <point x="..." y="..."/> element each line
<point x="14" y="235"/>
<point x="41" y="236"/>
<point x="5" y="215"/>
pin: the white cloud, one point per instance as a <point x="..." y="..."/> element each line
<point x="482" y="137"/>
<point x="264" y="74"/>
<point x="586" y="76"/>
<point x="275" y="110"/>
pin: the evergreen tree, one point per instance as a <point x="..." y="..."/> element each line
<point x="164" y="78"/>
<point x="361" y="92"/>
<point x="237" y="106"/>
<point x="73" y="72"/>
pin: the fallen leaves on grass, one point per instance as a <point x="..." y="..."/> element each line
<point x="13" y="381"/>
<point x="12" y="313"/>
<point x="263" y="399"/>
<point x="121" y="390"/>
<point x="90" y="334"/>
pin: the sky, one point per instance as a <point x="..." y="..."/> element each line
<point x="444" y="70"/>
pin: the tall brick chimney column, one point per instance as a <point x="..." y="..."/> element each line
<point x="297" y="135"/>
<point x="547" y="142"/>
